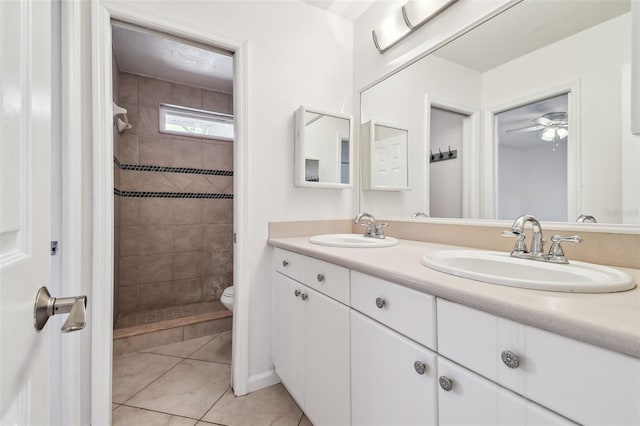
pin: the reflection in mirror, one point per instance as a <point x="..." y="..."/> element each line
<point x="323" y="149"/>
<point x="532" y="160"/>
<point x="385" y="154"/>
<point x="526" y="56"/>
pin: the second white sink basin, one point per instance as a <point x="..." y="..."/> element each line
<point x="352" y="240"/>
<point x="500" y="268"/>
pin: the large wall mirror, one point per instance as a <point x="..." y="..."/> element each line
<point x="323" y="149"/>
<point x="528" y="112"/>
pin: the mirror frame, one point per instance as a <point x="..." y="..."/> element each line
<point x="368" y="137"/>
<point x="299" y="157"/>
<point x="614" y="228"/>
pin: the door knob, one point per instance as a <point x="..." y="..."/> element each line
<point x="47" y="306"/>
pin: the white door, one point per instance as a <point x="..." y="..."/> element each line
<point x="387" y="386"/>
<point x="472" y="399"/>
<point x="288" y="337"/>
<point x="25" y="138"/>
<point x="326" y="360"/>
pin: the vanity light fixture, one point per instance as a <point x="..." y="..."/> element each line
<point x="405" y="20"/>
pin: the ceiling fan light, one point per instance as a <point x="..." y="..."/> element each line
<point x="548" y="134"/>
<point x="563" y="133"/>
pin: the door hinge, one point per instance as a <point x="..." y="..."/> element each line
<point x="234" y="238"/>
<point x="54" y="248"/>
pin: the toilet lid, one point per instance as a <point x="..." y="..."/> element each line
<point x="229" y="291"/>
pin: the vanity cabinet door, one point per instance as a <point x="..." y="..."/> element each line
<point x="465" y="398"/>
<point x="288" y="334"/>
<point x="387" y="386"/>
<point x="326" y="360"/>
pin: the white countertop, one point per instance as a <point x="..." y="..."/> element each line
<point x="610" y="320"/>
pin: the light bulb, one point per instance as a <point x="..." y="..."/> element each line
<point x="563" y="133"/>
<point x="548" y="134"/>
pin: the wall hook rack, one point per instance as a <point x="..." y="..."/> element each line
<point x="449" y="154"/>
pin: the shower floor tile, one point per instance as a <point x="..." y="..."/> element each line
<point x="165" y="314"/>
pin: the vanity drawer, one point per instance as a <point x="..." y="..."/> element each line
<point x="327" y="278"/>
<point x="407" y="311"/>
<point x="288" y="263"/>
<point x="585" y="383"/>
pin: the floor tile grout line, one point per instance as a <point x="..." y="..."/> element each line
<point x="214" y="404"/>
<point x="155" y="380"/>
<point x="160" y="412"/>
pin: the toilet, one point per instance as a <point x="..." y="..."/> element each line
<point x="227" y="298"/>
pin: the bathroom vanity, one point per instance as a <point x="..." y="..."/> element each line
<point x="370" y="336"/>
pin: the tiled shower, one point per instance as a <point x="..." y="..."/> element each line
<point x="173" y="206"/>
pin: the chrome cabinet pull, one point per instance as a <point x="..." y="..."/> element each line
<point x="285" y="263"/>
<point x="420" y="367"/>
<point x="445" y="383"/>
<point x="47" y="306"/>
<point x="296" y="293"/>
<point x="320" y="277"/>
<point x="304" y="296"/>
<point x="380" y="302"/>
<point x="510" y="359"/>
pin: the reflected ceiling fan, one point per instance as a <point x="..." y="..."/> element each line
<point x="552" y="126"/>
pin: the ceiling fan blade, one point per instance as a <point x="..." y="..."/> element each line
<point x="544" y="121"/>
<point x="525" y="129"/>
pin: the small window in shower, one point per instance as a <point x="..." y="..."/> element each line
<point x="184" y="121"/>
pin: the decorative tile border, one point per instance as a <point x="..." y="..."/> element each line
<point x="150" y="194"/>
<point x="167" y="169"/>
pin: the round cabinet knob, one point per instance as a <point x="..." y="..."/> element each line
<point x="320" y="277"/>
<point x="420" y="367"/>
<point x="445" y="383"/>
<point x="304" y="296"/>
<point x="380" y="302"/>
<point x="296" y="293"/>
<point x="510" y="359"/>
<point x="285" y="263"/>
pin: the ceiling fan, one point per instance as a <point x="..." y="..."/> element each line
<point x="552" y="126"/>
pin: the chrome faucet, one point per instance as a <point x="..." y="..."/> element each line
<point x="419" y="214"/>
<point x="555" y="255"/>
<point x="586" y="218"/>
<point x="373" y="229"/>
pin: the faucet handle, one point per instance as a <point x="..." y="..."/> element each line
<point x="378" y="232"/>
<point x="520" y="246"/>
<point x="556" y="252"/>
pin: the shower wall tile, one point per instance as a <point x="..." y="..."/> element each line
<point x="171" y="251"/>
<point x="155" y="268"/>
<point x="155" y="239"/>
<point x="218" y="211"/>
<point x="187" y="265"/>
<point x="128" y="149"/>
<point x="187" y="291"/>
<point x="127" y="88"/>
<point x="130" y="211"/>
<point x="187" y="238"/>
<point x="218" y="237"/>
<point x="187" y="211"/>
<point x="128" y="240"/>
<point x="155" y="296"/>
<point x="155" y="211"/>
<point x="129" y="270"/>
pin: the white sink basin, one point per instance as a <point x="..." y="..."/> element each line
<point x="352" y="240"/>
<point x="500" y="268"/>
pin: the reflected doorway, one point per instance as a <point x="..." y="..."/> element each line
<point x="532" y="170"/>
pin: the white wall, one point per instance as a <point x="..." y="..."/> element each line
<point x="401" y="101"/>
<point x="297" y="55"/>
<point x="598" y="70"/>
<point x="445" y="177"/>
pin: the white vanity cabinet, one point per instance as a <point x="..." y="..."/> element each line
<point x="393" y="379"/>
<point x="586" y="383"/>
<point x="465" y="398"/>
<point x="311" y="346"/>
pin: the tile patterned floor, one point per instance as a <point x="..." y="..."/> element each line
<point x="156" y="315"/>
<point x="188" y="383"/>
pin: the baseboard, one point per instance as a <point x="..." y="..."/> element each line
<point x="263" y="380"/>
